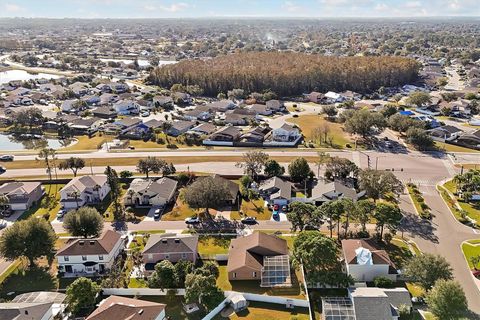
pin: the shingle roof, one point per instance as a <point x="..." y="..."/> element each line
<point x="80" y="184"/>
<point x="18" y="187"/>
<point x="102" y="245"/>
<point x="163" y="187"/>
<point x="249" y="251"/>
<point x="378" y="256"/>
<point x="121" y="308"/>
<point x="171" y="243"/>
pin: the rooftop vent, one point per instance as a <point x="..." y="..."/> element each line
<point x="164" y="240"/>
<point x="140" y="311"/>
<point x="92" y="242"/>
<point x="81" y="242"/>
<point x="177" y="240"/>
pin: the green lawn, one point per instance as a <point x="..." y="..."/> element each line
<point x="180" y="211"/>
<point x="418" y="201"/>
<point x="252" y="208"/>
<point x="137" y="283"/>
<point x="23" y="280"/>
<point x="399" y="252"/>
<point x="254" y="286"/>
<point x="309" y="123"/>
<point x="268" y="311"/>
<point x="452" y="148"/>
<point x="471" y="249"/>
<point x="49" y="204"/>
<point x="471" y="208"/>
<point x="174" y="308"/>
<point x="138" y="243"/>
<point x="211" y="245"/>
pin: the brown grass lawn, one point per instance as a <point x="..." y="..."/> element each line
<point x="268" y="311"/>
<point x="308" y="123"/>
<point x="49" y="204"/>
<point x="252" y="208"/>
<point x="180" y="211"/>
<point x="453" y="148"/>
<point x="86" y="143"/>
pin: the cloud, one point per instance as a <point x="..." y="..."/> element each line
<point x="13" y="8"/>
<point x="413" y="4"/>
<point x="291" y="6"/>
<point x="174" y="7"/>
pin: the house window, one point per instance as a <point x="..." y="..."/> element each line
<point x="184" y="256"/>
<point x="254" y="274"/>
<point x="84" y="258"/>
<point x="234" y="275"/>
<point x="167" y="256"/>
<point x="66" y="258"/>
<point x="100" y="257"/>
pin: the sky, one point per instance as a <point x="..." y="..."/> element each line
<point x="237" y="8"/>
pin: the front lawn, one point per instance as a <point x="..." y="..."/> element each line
<point x="180" y="211"/>
<point x="252" y="208"/>
<point x="49" y="204"/>
<point x="472" y="209"/>
<point x="471" y="249"/>
<point x="84" y="143"/>
<point x="268" y="311"/>
<point x="211" y="245"/>
<point x="309" y="123"/>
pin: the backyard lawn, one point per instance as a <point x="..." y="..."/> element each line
<point x="174" y="308"/>
<point x="308" y="124"/>
<point x="254" y="286"/>
<point x="471" y="249"/>
<point x="268" y="311"/>
<point x="452" y="148"/>
<point x="49" y="204"/>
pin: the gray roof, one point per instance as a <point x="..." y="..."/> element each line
<point x="376" y="303"/>
<point x="164" y="187"/>
<point x="326" y="191"/>
<point x="23" y="310"/>
<point x="171" y="243"/>
<point x="18" y="188"/>
<point x="283" y="188"/>
<point x="40" y="297"/>
<point x="80" y="184"/>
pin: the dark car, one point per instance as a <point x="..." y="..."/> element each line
<point x="311" y="227"/>
<point x="3" y="169"/>
<point x="249" y="220"/>
<point x="192" y="220"/>
<point x="6" y="157"/>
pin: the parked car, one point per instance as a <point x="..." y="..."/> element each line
<point x="311" y="227"/>
<point x="157" y="214"/>
<point x="61" y="213"/>
<point x="3" y="169"/>
<point x="145" y="114"/>
<point x="6" y="157"/>
<point x="192" y="220"/>
<point x="276" y="207"/>
<point x="249" y="220"/>
<point x="284" y="208"/>
<point x="3" y="224"/>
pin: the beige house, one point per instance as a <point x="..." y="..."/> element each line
<point x="149" y="192"/>
<point x="83" y="191"/>
<point x="169" y="246"/>
<point x="247" y="255"/>
<point x="21" y="195"/>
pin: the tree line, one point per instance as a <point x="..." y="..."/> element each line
<point x="287" y="73"/>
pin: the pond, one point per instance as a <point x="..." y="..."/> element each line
<point x="12" y="75"/>
<point x="11" y="143"/>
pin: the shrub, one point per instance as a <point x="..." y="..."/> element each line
<point x="387" y="237"/>
<point x="383" y="282"/>
<point x="424" y="206"/>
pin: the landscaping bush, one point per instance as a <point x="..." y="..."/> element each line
<point x="424" y="206"/>
<point x="362" y="234"/>
<point x="383" y="282"/>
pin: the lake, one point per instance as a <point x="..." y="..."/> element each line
<point x="12" y="75"/>
<point x="10" y="143"/>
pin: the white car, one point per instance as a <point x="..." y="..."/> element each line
<point x="192" y="220"/>
<point x="3" y="224"/>
<point x="6" y="157"/>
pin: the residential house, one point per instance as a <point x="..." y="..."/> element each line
<point x="39" y="305"/>
<point x="315" y="97"/>
<point x="126" y="107"/>
<point x="364" y="261"/>
<point x="83" y="191"/>
<point x="239" y="117"/>
<point x="445" y="133"/>
<point x="72" y="105"/>
<point x="261" y="109"/>
<point x="108" y="98"/>
<point x="275" y="105"/>
<point x="149" y="192"/>
<point x="105" y="113"/>
<point x="276" y="191"/>
<point x="470" y="140"/>
<point x="247" y="256"/>
<point x="122" y="308"/>
<point x="255" y="135"/>
<point x="326" y="191"/>
<point x="180" y="127"/>
<point x="203" y="129"/>
<point x="79" y="88"/>
<point x="181" y="98"/>
<point x="169" y="246"/>
<point x="140" y="131"/>
<point x="366" y="303"/>
<point x="90" y="256"/>
<point x="333" y="97"/>
<point x="286" y="133"/>
<point x="86" y="125"/>
<point x="154" y="124"/>
<point x="233" y="189"/>
<point x="163" y="102"/>
<point x="22" y="195"/>
<point x="222" y="105"/>
<point x="127" y="123"/>
<point x="91" y="100"/>
<point x="229" y="134"/>
<point x="202" y="113"/>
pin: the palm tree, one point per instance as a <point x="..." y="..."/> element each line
<point x="45" y="154"/>
<point x="165" y="127"/>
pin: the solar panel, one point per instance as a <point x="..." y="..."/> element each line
<point x="276" y="272"/>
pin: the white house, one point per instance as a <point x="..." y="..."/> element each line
<point x="21" y="195"/>
<point x="364" y="262"/>
<point x="90" y="256"/>
<point x="286" y="133"/>
<point x="84" y="190"/>
<point x="147" y="192"/>
<point x="333" y="97"/>
<point x="126" y="107"/>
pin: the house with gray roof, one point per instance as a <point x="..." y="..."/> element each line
<point x="40" y="305"/>
<point x="169" y="246"/>
<point x="325" y="191"/>
<point x="21" y="195"/>
<point x="84" y="191"/>
<point x="149" y="192"/>
<point x="276" y="191"/>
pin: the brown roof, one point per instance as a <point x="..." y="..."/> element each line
<point x="378" y="256"/>
<point x="249" y="251"/>
<point x="120" y="308"/>
<point x="102" y="245"/>
<point x="232" y="187"/>
<point x="171" y="243"/>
